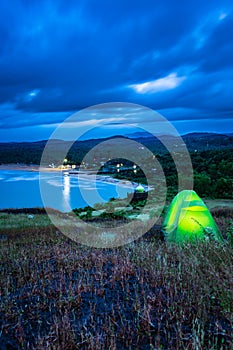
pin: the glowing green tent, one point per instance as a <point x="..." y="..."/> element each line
<point x="188" y="219"/>
<point x="140" y="189"/>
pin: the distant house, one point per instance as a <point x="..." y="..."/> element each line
<point x="140" y="194"/>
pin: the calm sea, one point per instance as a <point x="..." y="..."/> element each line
<point x="21" y="189"/>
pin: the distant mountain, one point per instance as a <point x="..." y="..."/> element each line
<point x="144" y="134"/>
<point x="204" y="134"/>
<point x="207" y="141"/>
<point x="139" y="134"/>
<point x="30" y="152"/>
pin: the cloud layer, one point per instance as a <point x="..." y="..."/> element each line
<point x="57" y="57"/>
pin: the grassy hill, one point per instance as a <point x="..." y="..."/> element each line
<point x="57" y="294"/>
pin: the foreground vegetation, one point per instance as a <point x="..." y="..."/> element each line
<point x="56" y="294"/>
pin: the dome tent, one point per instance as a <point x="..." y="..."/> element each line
<point x="189" y="219"/>
<point x="140" y="189"/>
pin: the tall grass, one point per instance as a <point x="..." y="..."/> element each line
<point x="56" y="294"/>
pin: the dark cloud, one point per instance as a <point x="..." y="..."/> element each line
<point x="62" y="56"/>
<point x="218" y="52"/>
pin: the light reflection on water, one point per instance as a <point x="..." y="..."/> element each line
<point x="66" y="193"/>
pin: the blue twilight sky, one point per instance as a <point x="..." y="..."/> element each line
<point x="58" y="57"/>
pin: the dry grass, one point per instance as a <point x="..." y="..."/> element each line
<point x="56" y="294"/>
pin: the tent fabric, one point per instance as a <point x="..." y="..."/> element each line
<point x="189" y="219"/>
<point x="140" y="189"/>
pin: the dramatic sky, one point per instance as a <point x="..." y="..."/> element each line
<point x="58" y="57"/>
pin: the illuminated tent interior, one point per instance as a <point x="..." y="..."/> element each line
<point x="189" y="219"/>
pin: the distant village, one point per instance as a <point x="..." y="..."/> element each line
<point x="110" y="167"/>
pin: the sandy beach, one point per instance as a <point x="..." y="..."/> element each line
<point x="24" y="167"/>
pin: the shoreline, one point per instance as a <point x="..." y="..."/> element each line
<point x="86" y="175"/>
<point x="24" y="167"/>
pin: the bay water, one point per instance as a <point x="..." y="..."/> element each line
<point x="21" y="189"/>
